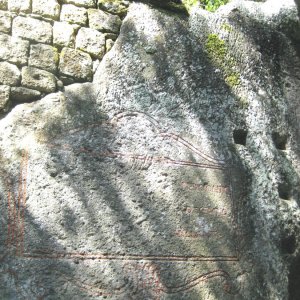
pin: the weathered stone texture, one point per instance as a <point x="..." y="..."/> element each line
<point x="43" y="57"/>
<point x="83" y="3"/>
<point x="63" y="34"/>
<point x="46" y="8"/>
<point x="9" y="74"/>
<point x="103" y="21"/>
<point x="32" y="29"/>
<point x="13" y="49"/>
<point x="91" y="41"/>
<point x="4" y="97"/>
<point x="73" y="14"/>
<point x="109" y="44"/>
<point x="3" y="4"/>
<point x="21" y="94"/>
<point x="37" y="79"/>
<point x="76" y="63"/>
<point x="19" y="5"/>
<point x="5" y="22"/>
<point x="118" y="7"/>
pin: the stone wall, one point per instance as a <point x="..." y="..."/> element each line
<point x="47" y="44"/>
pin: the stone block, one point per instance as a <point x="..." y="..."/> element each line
<point x="19" y="6"/>
<point x="9" y="74"/>
<point x="91" y="41"/>
<point x="37" y="79"/>
<point x="83" y="3"/>
<point x="76" y="63"/>
<point x="5" y="21"/>
<point x="103" y="21"/>
<point x="44" y="57"/>
<point x="63" y="34"/>
<point x="21" y="94"/>
<point x="4" y="97"/>
<point x="118" y="7"/>
<point x="109" y="44"/>
<point x="73" y="14"/>
<point x="46" y="8"/>
<point x="32" y="29"/>
<point x="13" y="49"/>
<point x="3" y="4"/>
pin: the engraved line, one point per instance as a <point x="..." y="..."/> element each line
<point x="20" y="193"/>
<point x="194" y="282"/>
<point x="9" y="217"/>
<point x="24" y="202"/>
<point x="58" y="255"/>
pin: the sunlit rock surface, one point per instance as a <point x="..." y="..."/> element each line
<point x="173" y="175"/>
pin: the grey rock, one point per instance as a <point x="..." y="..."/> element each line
<point x="118" y="7"/>
<point x="109" y="44"/>
<point x="63" y="34"/>
<point x="32" y="29"/>
<point x="9" y="74"/>
<point x="104" y="21"/>
<point x="19" y="6"/>
<point x="46" y="8"/>
<point x="4" y="97"/>
<point x="83" y="3"/>
<point x="44" y="57"/>
<point x="173" y="175"/>
<point x="37" y="79"/>
<point x="22" y="95"/>
<point x="73" y="14"/>
<point x="13" y="49"/>
<point x="91" y="41"/>
<point x="5" y="22"/>
<point x="76" y="63"/>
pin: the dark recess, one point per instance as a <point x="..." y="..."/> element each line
<point x="294" y="280"/>
<point x="240" y="136"/>
<point x="280" y="140"/>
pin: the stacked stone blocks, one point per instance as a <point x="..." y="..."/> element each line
<point x="46" y="44"/>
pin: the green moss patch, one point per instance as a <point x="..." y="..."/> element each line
<point x="217" y="51"/>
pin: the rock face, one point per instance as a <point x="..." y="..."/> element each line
<point x="173" y="175"/>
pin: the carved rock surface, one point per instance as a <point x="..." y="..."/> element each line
<point x="173" y="175"/>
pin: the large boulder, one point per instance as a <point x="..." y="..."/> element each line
<point x="173" y="175"/>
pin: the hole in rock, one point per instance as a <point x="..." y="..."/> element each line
<point x="288" y="244"/>
<point x="280" y="140"/>
<point x="294" y="280"/>
<point x="240" y="136"/>
<point x="284" y="191"/>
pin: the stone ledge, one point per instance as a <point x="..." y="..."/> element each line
<point x="9" y="74"/>
<point x="13" y="49"/>
<point x="63" y="34"/>
<point x="83" y="3"/>
<point x="46" y="8"/>
<point x="5" y="21"/>
<point x="19" y="6"/>
<point x="32" y="29"/>
<point x="103" y="21"/>
<point x="4" y="97"/>
<point x="76" y="63"/>
<point x="44" y="57"/>
<point x="91" y="41"/>
<point x="73" y="14"/>
<point x="21" y="94"/>
<point x="39" y="80"/>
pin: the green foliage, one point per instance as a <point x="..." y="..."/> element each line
<point x="213" y="5"/>
<point x="210" y="5"/>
